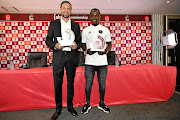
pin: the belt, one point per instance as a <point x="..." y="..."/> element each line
<point x="66" y="52"/>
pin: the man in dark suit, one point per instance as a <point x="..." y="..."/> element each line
<point x="64" y="57"/>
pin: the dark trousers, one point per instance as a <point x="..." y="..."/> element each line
<point x="178" y="75"/>
<point x="58" y="73"/>
<point x="101" y="74"/>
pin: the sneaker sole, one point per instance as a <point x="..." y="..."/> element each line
<point x="86" y="111"/>
<point x="102" y="109"/>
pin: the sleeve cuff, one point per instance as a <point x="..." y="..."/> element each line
<point x="55" y="48"/>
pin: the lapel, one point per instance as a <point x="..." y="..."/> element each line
<point x="59" y="28"/>
<point x="72" y="26"/>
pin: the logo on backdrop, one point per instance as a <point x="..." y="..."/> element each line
<point x="7" y="17"/>
<point x="146" y="18"/>
<point x="80" y="17"/>
<point x="106" y="18"/>
<point x="126" y="18"/>
<point x="31" y="17"/>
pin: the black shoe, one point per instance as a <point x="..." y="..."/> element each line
<point x="56" y="114"/>
<point x="86" y="108"/>
<point x="72" y="111"/>
<point x="104" y="108"/>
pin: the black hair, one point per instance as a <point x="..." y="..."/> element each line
<point x="65" y="2"/>
<point x="94" y="9"/>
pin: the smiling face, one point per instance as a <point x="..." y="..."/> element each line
<point x="65" y="10"/>
<point x="95" y="17"/>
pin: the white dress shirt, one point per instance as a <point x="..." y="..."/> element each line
<point x="65" y="25"/>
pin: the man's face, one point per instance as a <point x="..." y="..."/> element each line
<point x="65" y="10"/>
<point x="95" y="17"/>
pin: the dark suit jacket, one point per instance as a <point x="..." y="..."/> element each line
<point x="54" y="32"/>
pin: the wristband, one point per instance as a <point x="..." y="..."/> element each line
<point x="86" y="51"/>
<point x="107" y="51"/>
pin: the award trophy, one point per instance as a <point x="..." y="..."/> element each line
<point x="98" y="44"/>
<point x="67" y="38"/>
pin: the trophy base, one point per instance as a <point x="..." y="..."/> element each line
<point x="100" y="50"/>
<point x="66" y="45"/>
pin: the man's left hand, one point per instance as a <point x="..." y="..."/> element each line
<point x="74" y="46"/>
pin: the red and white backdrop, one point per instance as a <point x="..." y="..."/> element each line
<point x="131" y="40"/>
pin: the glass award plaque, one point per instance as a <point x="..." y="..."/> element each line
<point x="98" y="44"/>
<point x="67" y="38"/>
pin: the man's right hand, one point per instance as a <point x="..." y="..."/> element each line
<point x="58" y="47"/>
<point x="90" y="52"/>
